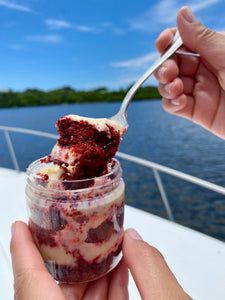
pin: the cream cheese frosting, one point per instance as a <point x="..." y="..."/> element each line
<point x="101" y="124"/>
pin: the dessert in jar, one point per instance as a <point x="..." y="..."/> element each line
<point x="75" y="200"/>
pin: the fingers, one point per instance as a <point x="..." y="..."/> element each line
<point x="97" y="290"/>
<point x="31" y="278"/>
<point x="172" y="89"/>
<point x="175" y="76"/>
<point x="188" y="65"/>
<point x="182" y="105"/>
<point x="178" y="66"/>
<point x="175" y="89"/>
<point x="119" y="277"/>
<point x="167" y="71"/>
<point x="22" y="243"/>
<point x="164" y="39"/>
<point x="73" y="291"/>
<point x="112" y="286"/>
<point x="151" y="274"/>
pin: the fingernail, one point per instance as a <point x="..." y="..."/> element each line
<point x="188" y="15"/>
<point x="161" y="72"/>
<point x="133" y="234"/>
<point x="167" y="88"/>
<point x="175" y="102"/>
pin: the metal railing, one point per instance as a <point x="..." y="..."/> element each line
<point x="156" y="168"/>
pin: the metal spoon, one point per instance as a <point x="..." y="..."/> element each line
<point x="120" y="117"/>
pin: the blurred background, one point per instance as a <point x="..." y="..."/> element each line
<point x="85" y="54"/>
<point x="87" y="44"/>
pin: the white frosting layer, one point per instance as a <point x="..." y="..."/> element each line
<point x="101" y="124"/>
<point x="64" y="154"/>
<point x="100" y="251"/>
<point x="88" y="251"/>
<point x="53" y="171"/>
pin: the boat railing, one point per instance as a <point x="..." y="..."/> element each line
<point x="156" y="168"/>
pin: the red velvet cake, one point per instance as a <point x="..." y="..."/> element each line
<point x="86" y="145"/>
<point x="75" y="200"/>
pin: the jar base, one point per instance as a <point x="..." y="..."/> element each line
<point x="85" y="271"/>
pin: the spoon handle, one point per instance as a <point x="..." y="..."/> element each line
<point x="176" y="43"/>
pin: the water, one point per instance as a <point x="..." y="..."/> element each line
<point x="153" y="134"/>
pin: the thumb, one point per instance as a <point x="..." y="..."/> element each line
<point x="151" y="274"/>
<point x="31" y="278"/>
<point x="200" y="39"/>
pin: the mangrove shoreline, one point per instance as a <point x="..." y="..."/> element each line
<point x="68" y="95"/>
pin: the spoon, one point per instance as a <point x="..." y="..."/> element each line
<point x="120" y="117"/>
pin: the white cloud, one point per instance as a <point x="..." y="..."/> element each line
<point x="131" y="70"/>
<point x="83" y="28"/>
<point x="118" y="31"/>
<point x="122" y="81"/>
<point x="45" y="38"/>
<point x="115" y="29"/>
<point x="148" y="21"/>
<point x="107" y="24"/>
<point x="12" y="5"/>
<point x="141" y="62"/>
<point x="166" y="10"/>
<point x="200" y="5"/>
<point x="16" y="46"/>
<point x="164" y="13"/>
<point x="57" y="24"/>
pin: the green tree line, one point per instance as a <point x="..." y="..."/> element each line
<point x="67" y="95"/>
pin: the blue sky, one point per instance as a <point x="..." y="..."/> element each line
<point x="87" y="44"/>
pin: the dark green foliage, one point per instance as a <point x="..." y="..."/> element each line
<point x="67" y="95"/>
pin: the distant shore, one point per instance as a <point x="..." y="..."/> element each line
<point x="67" y="95"/>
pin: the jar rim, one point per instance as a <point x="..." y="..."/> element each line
<point x="113" y="167"/>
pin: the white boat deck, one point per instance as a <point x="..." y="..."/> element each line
<point x="198" y="261"/>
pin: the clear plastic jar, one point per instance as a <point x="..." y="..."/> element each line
<point x="77" y="225"/>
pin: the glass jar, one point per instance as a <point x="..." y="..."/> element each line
<point x="77" y="225"/>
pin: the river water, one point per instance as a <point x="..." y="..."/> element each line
<point x="153" y="134"/>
